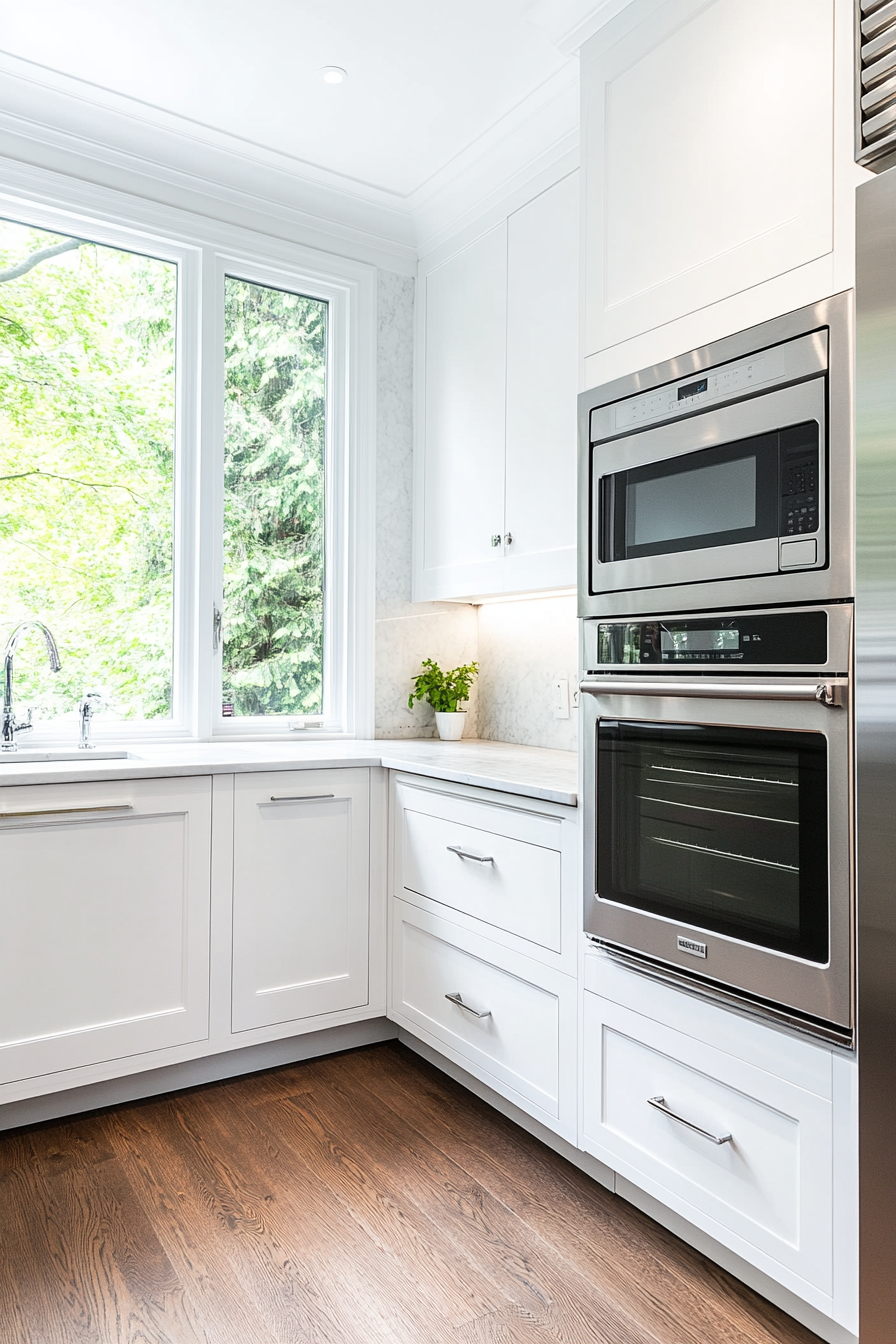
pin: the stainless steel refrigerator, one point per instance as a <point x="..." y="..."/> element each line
<point x="875" y="702"/>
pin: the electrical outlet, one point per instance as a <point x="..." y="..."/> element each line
<point x="560" y="688"/>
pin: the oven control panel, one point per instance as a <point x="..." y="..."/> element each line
<point x="772" y="639"/>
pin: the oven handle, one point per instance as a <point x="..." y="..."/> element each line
<point x="828" y="693"/>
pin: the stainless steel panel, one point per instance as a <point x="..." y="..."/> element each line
<point x="876" y="747"/>
<point x="821" y="991"/>
<point x="833" y="583"/>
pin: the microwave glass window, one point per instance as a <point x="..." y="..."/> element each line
<point x="710" y="499"/>
<point x="724" y="829"/>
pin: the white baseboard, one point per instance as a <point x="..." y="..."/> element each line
<point x="195" y="1072"/>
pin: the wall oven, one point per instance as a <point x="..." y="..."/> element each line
<point x="717" y="805"/>
<point x="723" y="477"/>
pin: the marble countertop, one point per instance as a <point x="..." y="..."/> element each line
<point x="533" y="772"/>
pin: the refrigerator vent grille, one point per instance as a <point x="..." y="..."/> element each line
<point x="876" y="83"/>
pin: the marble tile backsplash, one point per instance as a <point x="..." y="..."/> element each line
<point x="520" y="645"/>
<point x="523" y="646"/>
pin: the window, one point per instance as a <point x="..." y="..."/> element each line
<point x="275" y="429"/>
<point x="87" y="423"/>
<point x="186" y="476"/>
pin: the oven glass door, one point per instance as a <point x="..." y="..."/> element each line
<point x="720" y="828"/>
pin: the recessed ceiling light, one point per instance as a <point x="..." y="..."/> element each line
<point x="333" y="74"/>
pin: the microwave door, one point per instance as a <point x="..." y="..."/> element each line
<point x="701" y="499"/>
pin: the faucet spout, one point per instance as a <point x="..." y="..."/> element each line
<point x="10" y="726"/>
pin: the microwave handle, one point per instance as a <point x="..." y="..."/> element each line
<point x="826" y="693"/>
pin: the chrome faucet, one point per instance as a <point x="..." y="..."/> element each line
<point x="10" y="725"/>
<point x="88" y="706"/>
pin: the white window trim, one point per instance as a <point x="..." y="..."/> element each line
<point x="206" y="249"/>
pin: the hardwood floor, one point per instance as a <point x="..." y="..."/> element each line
<point x="359" y="1199"/>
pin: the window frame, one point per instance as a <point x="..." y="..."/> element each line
<point x="204" y="251"/>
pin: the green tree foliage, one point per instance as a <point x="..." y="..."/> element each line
<point x="275" y="440"/>
<point x="87" y="388"/>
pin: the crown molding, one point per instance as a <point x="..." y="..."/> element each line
<point x="71" y="126"/>
<point x="541" y="132"/>
<point x="570" y="23"/>
<point x="66" y="125"/>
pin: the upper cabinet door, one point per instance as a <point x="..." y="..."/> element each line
<point x="708" y="148"/>
<point x="462" y="477"/>
<point x="542" y="383"/>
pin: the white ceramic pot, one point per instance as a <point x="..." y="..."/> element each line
<point x="451" y="726"/>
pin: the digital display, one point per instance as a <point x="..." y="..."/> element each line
<point x="698" y="641"/>
<point x="692" y="389"/>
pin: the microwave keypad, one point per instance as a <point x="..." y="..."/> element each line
<point x="799" y="496"/>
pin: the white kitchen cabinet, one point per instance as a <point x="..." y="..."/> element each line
<point x="710" y="136"/>
<point x="740" y="1129"/>
<point x="465" y="304"/>
<point x="495" y="465"/>
<point x="483" y="938"/>
<point x="300" y="895"/>
<point x="507" y="1019"/>
<point x="104" y="907"/>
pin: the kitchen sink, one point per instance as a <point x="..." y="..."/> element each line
<point x="28" y="755"/>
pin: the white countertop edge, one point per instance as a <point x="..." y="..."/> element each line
<point x="531" y="772"/>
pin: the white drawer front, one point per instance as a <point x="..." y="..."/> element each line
<point x="517" y="1042"/>
<point x="769" y="1187"/>
<point x="517" y="890"/>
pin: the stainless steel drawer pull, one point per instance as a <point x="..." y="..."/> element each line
<point x="299" y="797"/>
<point x="456" y="998"/>
<point x="827" y="693"/>
<point x="465" y="854"/>
<point x="67" y="811"/>
<point x="660" y="1104"/>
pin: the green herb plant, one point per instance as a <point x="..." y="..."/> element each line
<point x="443" y="690"/>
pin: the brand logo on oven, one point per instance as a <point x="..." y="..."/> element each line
<point x="688" y="945"/>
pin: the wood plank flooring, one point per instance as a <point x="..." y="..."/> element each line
<point x="363" y="1198"/>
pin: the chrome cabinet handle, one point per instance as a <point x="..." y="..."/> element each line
<point x="508" y="538"/>
<point x="496" y="538"/>
<point x="299" y="797"/>
<point x="659" y="1103"/>
<point x="827" y="693"/>
<point x="456" y="998"/>
<point x="68" y="811"/>
<point x="465" y="854"/>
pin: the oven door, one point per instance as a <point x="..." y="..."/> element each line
<point x="717" y="819"/>
<point x="724" y="494"/>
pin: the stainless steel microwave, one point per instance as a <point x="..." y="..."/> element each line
<point x="723" y="477"/>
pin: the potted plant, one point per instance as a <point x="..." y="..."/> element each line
<point x="445" y="691"/>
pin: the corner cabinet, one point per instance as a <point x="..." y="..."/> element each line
<point x="497" y="365"/>
<point x="104" y="905"/>
<point x="300" y="895"/>
<point x="483" y="939"/>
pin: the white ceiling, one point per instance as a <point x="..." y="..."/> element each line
<point x="427" y="78"/>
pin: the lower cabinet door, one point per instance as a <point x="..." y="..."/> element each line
<point x="506" y="1018"/>
<point x="300" y="895"/>
<point x="744" y="1154"/>
<point x="104" y="911"/>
